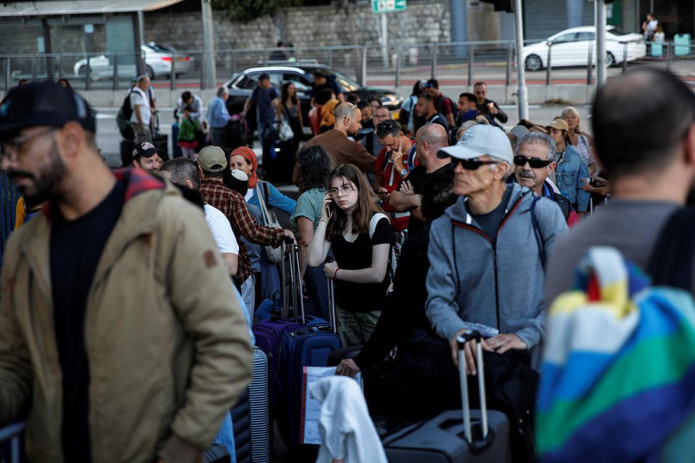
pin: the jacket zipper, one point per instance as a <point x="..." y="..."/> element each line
<point x="494" y="251"/>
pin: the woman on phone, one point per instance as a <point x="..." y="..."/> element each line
<point x="361" y="252"/>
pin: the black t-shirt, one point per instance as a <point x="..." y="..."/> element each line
<point x="75" y="250"/>
<point x="361" y="297"/>
<point x="418" y="178"/>
<point x="490" y="222"/>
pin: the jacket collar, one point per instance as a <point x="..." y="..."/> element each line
<point x="138" y="218"/>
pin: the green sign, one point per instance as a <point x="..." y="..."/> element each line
<point x="388" y="6"/>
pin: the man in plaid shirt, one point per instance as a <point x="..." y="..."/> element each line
<point x="212" y="162"/>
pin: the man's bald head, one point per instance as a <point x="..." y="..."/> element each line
<point x="640" y="119"/>
<point x="434" y="134"/>
<point x="344" y="110"/>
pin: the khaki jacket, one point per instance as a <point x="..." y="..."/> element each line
<point x="167" y="343"/>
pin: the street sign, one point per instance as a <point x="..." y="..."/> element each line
<point x="388" y="6"/>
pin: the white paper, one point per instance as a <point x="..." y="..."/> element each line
<point x="311" y="406"/>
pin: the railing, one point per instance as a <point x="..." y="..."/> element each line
<point x="11" y="435"/>
<point x="8" y="196"/>
<point x="398" y="64"/>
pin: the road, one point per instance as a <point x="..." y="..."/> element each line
<point x="108" y="138"/>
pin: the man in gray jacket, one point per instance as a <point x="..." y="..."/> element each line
<point x="487" y="252"/>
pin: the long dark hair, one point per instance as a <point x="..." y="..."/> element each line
<point x="285" y="94"/>
<point x="314" y="166"/>
<point x="366" y="205"/>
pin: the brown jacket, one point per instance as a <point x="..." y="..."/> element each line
<point x="167" y="343"/>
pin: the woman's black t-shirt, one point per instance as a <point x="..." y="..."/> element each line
<point x="361" y="297"/>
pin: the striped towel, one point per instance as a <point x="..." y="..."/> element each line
<point x="618" y="371"/>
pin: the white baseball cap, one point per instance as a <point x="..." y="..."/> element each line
<point x="481" y="140"/>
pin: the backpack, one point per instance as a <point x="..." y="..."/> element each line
<point x="123" y="118"/>
<point x="619" y="357"/>
<point x="372" y="228"/>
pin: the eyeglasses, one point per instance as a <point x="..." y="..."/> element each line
<point x="534" y="163"/>
<point x="344" y="190"/>
<point x="429" y="85"/>
<point x="12" y="148"/>
<point x="471" y="164"/>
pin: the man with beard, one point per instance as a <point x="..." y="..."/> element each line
<point x="119" y="331"/>
<point x="336" y="142"/>
<point x="146" y="156"/>
<point x="533" y="163"/>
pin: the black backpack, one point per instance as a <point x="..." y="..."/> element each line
<point x="123" y="118"/>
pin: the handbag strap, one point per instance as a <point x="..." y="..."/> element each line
<point x="261" y="202"/>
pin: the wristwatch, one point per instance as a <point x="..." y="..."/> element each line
<point x="404" y="172"/>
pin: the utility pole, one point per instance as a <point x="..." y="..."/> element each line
<point x="600" y="13"/>
<point x="208" y="78"/>
<point x="522" y="92"/>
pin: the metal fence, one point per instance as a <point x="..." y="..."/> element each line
<point x="11" y="443"/>
<point x="394" y="65"/>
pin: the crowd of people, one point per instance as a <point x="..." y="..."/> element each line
<point x="128" y="300"/>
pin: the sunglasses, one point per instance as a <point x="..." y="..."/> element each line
<point x="471" y="164"/>
<point x="535" y="163"/>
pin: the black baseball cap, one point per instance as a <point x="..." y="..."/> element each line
<point x="43" y="103"/>
<point x="145" y="150"/>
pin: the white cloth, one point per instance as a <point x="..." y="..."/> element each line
<point x="347" y="431"/>
<point x="139" y="98"/>
<point x="221" y="231"/>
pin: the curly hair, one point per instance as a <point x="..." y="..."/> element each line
<point x="313" y="165"/>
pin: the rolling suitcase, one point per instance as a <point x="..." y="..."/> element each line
<point x="310" y="345"/>
<point x="126" y="149"/>
<point x="456" y="435"/>
<point x="241" y="422"/>
<point x="259" y="409"/>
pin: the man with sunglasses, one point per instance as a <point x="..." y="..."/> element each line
<point x="120" y="334"/>
<point x="486" y="267"/>
<point x="533" y="163"/>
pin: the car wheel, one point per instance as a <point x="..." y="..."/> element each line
<point x="82" y="71"/>
<point x="533" y="63"/>
<point x="610" y="59"/>
<point x="150" y="72"/>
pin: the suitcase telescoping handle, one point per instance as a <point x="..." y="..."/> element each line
<point x="465" y="403"/>
<point x="296" y="283"/>
<point x="332" y="317"/>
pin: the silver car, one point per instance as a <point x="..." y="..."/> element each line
<point x="158" y="60"/>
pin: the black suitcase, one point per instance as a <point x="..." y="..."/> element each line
<point x="161" y="142"/>
<point x="126" y="148"/>
<point x="241" y="422"/>
<point x="455" y="435"/>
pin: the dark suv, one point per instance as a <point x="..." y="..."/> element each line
<point x="241" y="85"/>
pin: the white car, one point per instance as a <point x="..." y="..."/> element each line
<point x="571" y="47"/>
<point x="158" y="60"/>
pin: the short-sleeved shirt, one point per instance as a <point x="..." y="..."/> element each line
<point x="262" y="98"/>
<point x="309" y="205"/>
<point x="138" y="98"/>
<point x="361" y="297"/>
<point x="221" y="230"/>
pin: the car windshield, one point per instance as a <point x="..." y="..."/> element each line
<point x="616" y="31"/>
<point x="344" y="81"/>
<point x="159" y="48"/>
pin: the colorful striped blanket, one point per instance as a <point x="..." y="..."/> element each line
<point x="618" y="371"/>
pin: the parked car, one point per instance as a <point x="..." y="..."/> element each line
<point x="242" y="84"/>
<point x="158" y="60"/>
<point x="571" y="47"/>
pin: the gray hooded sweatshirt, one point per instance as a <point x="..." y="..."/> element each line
<point x="472" y="282"/>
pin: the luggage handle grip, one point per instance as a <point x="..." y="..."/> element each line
<point x="461" y="340"/>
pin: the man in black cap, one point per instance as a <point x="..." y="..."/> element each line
<point x="146" y="156"/>
<point x="119" y="332"/>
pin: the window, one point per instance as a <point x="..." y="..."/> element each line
<point x="565" y="38"/>
<point x="300" y="82"/>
